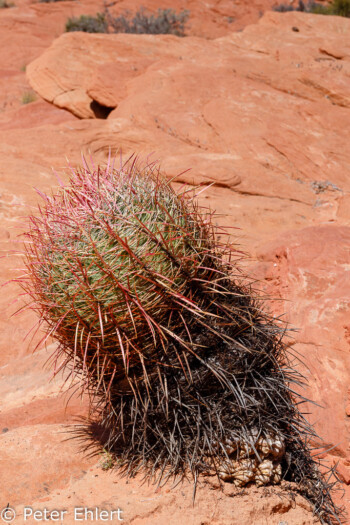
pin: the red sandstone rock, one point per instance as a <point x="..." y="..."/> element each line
<point x="24" y="449"/>
<point x="343" y="469"/>
<point x="264" y="115"/>
<point x="309" y="269"/>
<point x="30" y="27"/>
<point x="144" y="504"/>
<point x="223" y="127"/>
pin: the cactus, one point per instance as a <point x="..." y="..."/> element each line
<point x="185" y="369"/>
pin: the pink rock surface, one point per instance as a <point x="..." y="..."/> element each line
<point x="263" y="114"/>
<point x="310" y="269"/>
<point x="242" y="131"/>
<point x="29" y="27"/>
<point x="143" y="504"/>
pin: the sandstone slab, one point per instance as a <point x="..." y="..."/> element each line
<point x="244" y="129"/>
<point x="262" y="114"/>
<point x="142" y="503"/>
<point x="310" y="270"/>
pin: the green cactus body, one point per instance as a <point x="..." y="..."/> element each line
<point x="114" y="262"/>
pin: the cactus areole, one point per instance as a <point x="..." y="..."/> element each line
<point x="186" y="371"/>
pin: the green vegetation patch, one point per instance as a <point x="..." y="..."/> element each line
<point x="165" y="22"/>
<point x="336" y="8"/>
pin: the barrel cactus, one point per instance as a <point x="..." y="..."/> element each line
<point x="185" y="369"/>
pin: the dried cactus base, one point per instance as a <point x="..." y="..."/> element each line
<point x="257" y="461"/>
<point x="249" y="470"/>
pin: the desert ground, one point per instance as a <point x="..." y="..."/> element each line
<point x="255" y="104"/>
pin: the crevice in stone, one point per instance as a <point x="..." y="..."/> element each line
<point x="99" y="110"/>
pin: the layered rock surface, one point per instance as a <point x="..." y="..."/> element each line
<point x="264" y="115"/>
